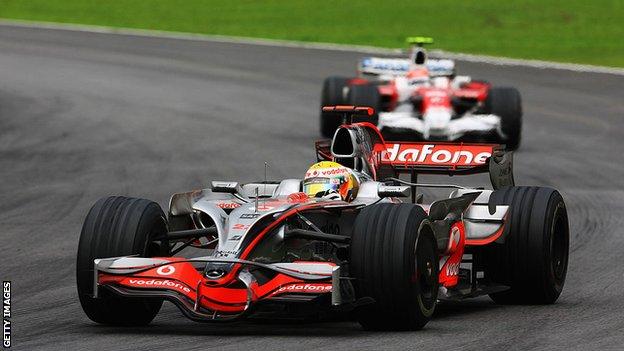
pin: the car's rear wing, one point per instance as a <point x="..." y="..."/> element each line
<point x="436" y="157"/>
<point x="448" y="158"/>
<point x="383" y="66"/>
<point x="376" y="66"/>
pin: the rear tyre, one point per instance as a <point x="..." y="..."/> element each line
<point x="119" y="226"/>
<point x="365" y="95"/>
<point x="533" y="260"/>
<point x="394" y="261"/>
<point x="332" y="94"/>
<point x="507" y="104"/>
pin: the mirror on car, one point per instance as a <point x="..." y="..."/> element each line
<point x="224" y="187"/>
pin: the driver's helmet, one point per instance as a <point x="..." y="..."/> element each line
<point x="330" y="180"/>
<point x="418" y="76"/>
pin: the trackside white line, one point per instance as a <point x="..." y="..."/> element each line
<point x="493" y="60"/>
<point x="505" y="61"/>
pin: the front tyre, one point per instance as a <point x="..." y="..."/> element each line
<point x="119" y="226"/>
<point x="507" y="104"/>
<point x="394" y="261"/>
<point x="533" y="260"/>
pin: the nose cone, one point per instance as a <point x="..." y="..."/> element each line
<point x="437" y="120"/>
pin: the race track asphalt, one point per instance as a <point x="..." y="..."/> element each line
<point x="85" y="115"/>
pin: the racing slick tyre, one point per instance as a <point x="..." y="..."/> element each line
<point x="119" y="226"/>
<point x="332" y="94"/>
<point x="394" y="261"/>
<point x="533" y="259"/>
<point x="507" y="104"/>
<point x="365" y="95"/>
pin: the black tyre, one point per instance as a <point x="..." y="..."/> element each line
<point x="533" y="260"/>
<point x="394" y="261"/>
<point x="332" y="94"/>
<point x="365" y="95"/>
<point x="507" y="103"/>
<point x="119" y="226"/>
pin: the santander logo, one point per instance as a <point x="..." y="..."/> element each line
<point x="436" y="155"/>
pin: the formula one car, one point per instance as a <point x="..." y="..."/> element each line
<point x="422" y="98"/>
<point x="339" y="241"/>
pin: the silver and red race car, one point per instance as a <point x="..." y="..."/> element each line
<point x="419" y="98"/>
<point x="351" y="237"/>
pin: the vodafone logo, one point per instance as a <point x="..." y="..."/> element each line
<point x="452" y="269"/>
<point x="326" y="172"/>
<point x="333" y="171"/>
<point x="165" y="270"/>
<point x="437" y="155"/>
<point x="305" y="288"/>
<point x="157" y="283"/>
<point x="228" y="205"/>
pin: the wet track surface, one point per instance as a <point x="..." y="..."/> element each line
<point x="87" y="115"/>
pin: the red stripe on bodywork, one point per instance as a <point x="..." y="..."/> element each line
<point x="489" y="239"/>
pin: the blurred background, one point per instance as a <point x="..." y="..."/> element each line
<point x="575" y="31"/>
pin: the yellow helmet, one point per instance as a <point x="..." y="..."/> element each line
<point x="326" y="178"/>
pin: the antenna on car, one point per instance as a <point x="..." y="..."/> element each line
<point x="266" y="166"/>
<point x="264" y="191"/>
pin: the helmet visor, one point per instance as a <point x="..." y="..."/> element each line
<point x="321" y="185"/>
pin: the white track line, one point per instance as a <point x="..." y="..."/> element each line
<point x="503" y="61"/>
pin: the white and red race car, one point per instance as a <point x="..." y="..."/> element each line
<point x="269" y="249"/>
<point x="419" y="98"/>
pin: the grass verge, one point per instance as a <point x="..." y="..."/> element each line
<point x="576" y="31"/>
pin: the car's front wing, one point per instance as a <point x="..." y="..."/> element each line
<point x="455" y="129"/>
<point x="183" y="282"/>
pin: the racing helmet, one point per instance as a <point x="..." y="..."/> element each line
<point x="330" y="180"/>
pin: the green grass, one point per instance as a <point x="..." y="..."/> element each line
<point x="578" y="31"/>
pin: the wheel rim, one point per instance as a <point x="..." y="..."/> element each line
<point x="559" y="246"/>
<point x="426" y="274"/>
